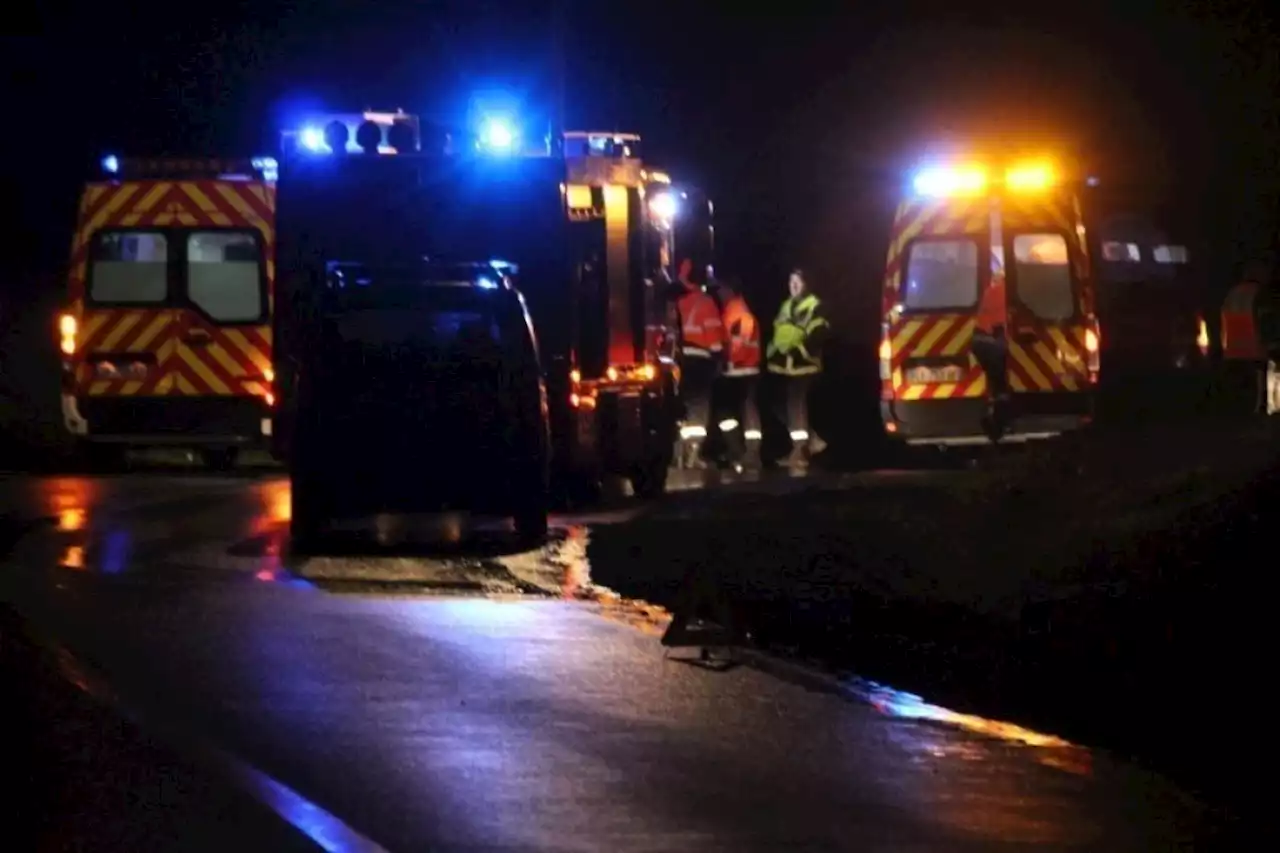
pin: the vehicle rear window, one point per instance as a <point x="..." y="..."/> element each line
<point x="1121" y="253"/>
<point x="1042" y="275"/>
<point x="1170" y="254"/>
<point x="129" y="267"/>
<point x="941" y="274"/>
<point x="225" y="276"/>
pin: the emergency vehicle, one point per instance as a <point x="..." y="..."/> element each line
<point x="569" y="215"/>
<point x="1148" y="303"/>
<point x="960" y="231"/>
<point x="167" y="336"/>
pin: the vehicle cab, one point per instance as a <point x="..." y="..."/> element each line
<point x="966" y="233"/>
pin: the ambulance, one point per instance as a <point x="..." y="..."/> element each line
<point x="166" y="340"/>
<point x="963" y="230"/>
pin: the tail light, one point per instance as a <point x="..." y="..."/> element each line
<point x="1092" y="347"/>
<point x="68" y="327"/>
<point x="1202" y="336"/>
<point x="886" y="363"/>
<point x="579" y="397"/>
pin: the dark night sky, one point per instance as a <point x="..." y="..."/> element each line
<point x="795" y="123"/>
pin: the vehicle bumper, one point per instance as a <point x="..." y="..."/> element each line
<point x="177" y="421"/>
<point x="964" y="422"/>
<point x="624" y="429"/>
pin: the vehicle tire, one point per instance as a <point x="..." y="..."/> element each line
<point x="531" y="524"/>
<point x="309" y="516"/>
<point x="649" y="480"/>
<point x="219" y="459"/>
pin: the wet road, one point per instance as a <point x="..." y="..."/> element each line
<point x="510" y="714"/>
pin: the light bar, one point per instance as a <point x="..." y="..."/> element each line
<point x="190" y="168"/>
<point x="950" y="181"/>
<point x="396" y="133"/>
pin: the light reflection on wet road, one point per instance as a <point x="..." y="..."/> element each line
<point x="405" y="715"/>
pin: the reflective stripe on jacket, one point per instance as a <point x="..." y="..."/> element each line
<point x="742" y="335"/>
<point x="794" y="350"/>
<point x="701" y="330"/>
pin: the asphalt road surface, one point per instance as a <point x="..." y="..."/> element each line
<point x="504" y="711"/>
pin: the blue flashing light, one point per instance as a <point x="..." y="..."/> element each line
<point x="111" y="164"/>
<point x="312" y="139"/>
<point x="497" y="136"/>
<point x="484" y="282"/>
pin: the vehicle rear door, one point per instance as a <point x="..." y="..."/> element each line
<point x="1049" y="331"/>
<point x="937" y="267"/>
<point x="222" y="329"/>
<point x="127" y="323"/>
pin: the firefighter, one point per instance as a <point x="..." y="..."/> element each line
<point x="734" y="397"/>
<point x="991" y="349"/>
<point x="701" y="348"/>
<point x="794" y="356"/>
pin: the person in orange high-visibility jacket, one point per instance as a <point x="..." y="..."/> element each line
<point x="701" y="350"/>
<point x="990" y="337"/>
<point x="734" y="397"/>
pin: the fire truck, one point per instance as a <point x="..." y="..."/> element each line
<point x="579" y="223"/>
<point x="166" y="339"/>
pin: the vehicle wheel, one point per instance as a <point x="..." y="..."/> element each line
<point x="220" y="458"/>
<point x="531" y="524"/>
<point x="650" y="480"/>
<point x="309" y="518"/>
<point x="573" y="490"/>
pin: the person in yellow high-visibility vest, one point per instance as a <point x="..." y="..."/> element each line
<point x="794" y="355"/>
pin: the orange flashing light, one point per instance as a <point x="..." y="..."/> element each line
<point x="1091" y="340"/>
<point x="1030" y="177"/>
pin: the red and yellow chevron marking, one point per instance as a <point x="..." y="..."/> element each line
<point x="237" y="361"/>
<point x="1057" y="360"/>
<point x="934" y="336"/>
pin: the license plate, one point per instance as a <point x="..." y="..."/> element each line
<point x="922" y="375"/>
